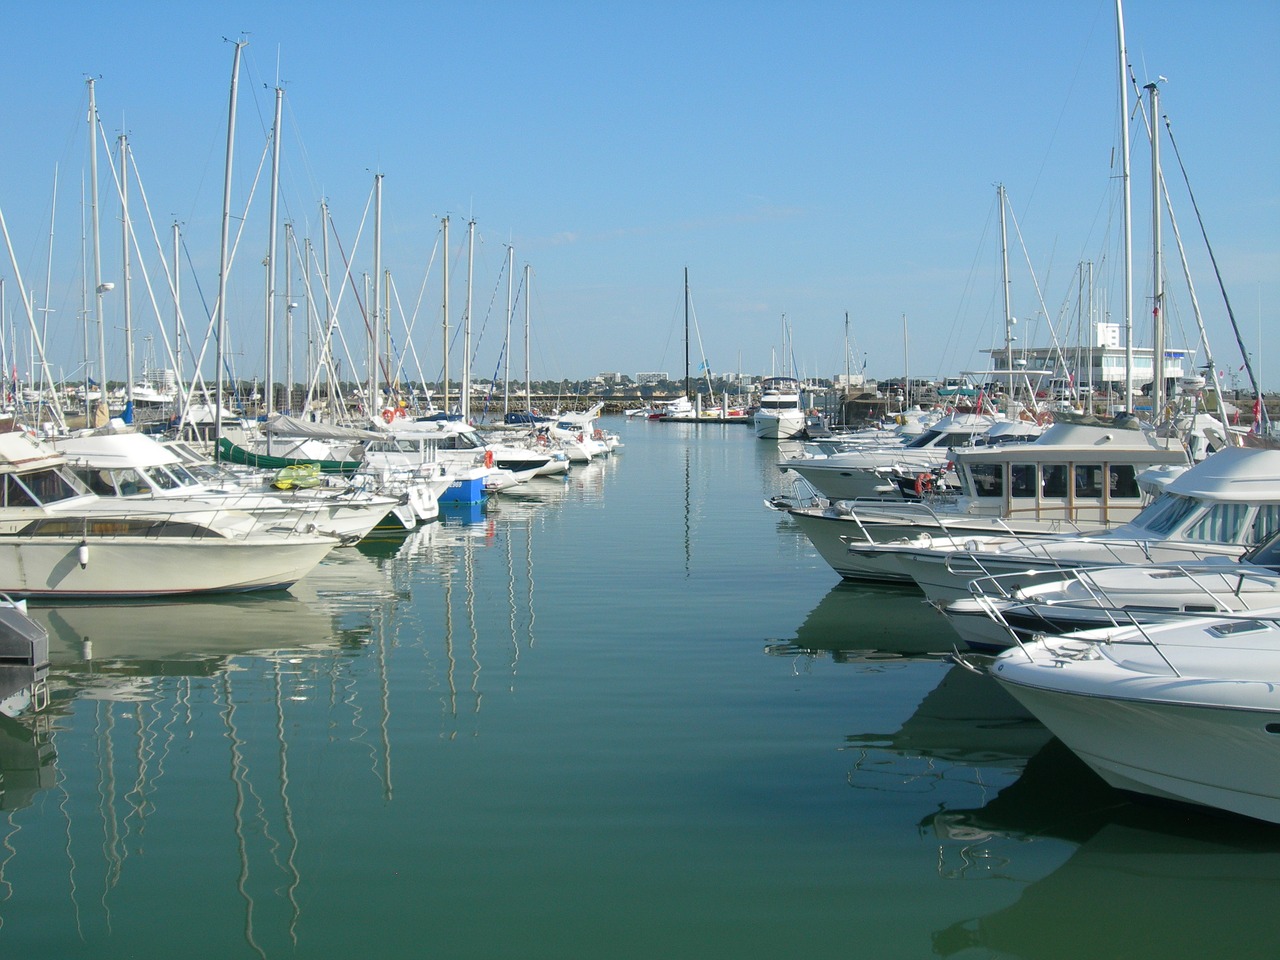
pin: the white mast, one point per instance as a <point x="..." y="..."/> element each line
<point x="528" y="386"/>
<point x="268" y="379"/>
<point x="444" y="381"/>
<point x="177" y="309"/>
<point x="1127" y="211"/>
<point x="223" y="256"/>
<point x="289" y="306"/>
<point x="1157" y="264"/>
<point x="375" y="300"/>
<point x="466" y="328"/>
<point x="1008" y="300"/>
<point x="100" y="411"/>
<point x="126" y="278"/>
<point x="506" y="350"/>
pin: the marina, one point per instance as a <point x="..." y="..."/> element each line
<point x="626" y="711"/>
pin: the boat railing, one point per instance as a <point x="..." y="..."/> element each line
<point x="160" y="525"/>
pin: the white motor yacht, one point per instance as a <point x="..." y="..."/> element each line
<point x="1078" y="477"/>
<point x="1220" y="507"/>
<point x="780" y="414"/>
<point x="1187" y="710"/>
<point x="58" y="539"/>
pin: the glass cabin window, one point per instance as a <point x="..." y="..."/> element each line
<point x="1089" y="481"/>
<point x="1022" y="480"/>
<point x="1123" y="481"/>
<point x="988" y="479"/>
<point x="1221" y="523"/>
<point x="1053" y="480"/>
<point x="1266" y="522"/>
<point x="1166" y="513"/>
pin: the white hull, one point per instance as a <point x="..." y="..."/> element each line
<point x="778" y="424"/>
<point x="1213" y="741"/>
<point x="147" y="567"/>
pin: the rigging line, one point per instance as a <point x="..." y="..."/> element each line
<point x="1235" y="327"/>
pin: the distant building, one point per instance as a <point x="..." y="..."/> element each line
<point x="609" y="377"/>
<point x="643" y="379"/>
<point x="1102" y="363"/>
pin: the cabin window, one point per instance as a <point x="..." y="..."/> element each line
<point x="1022" y="480"/>
<point x="1165" y="513"/>
<point x="1222" y="523"/>
<point x="1265" y="522"/>
<point x="163" y="479"/>
<point x="1053" y="481"/>
<point x="1089" y="481"/>
<point x="15" y="494"/>
<point x="1123" y="481"/>
<point x="129" y="482"/>
<point x="98" y="481"/>
<point x="42" y="486"/>
<point x="988" y="479"/>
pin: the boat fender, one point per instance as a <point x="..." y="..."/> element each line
<point x="924" y="483"/>
<point x="488" y="458"/>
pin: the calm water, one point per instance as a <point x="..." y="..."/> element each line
<point x="630" y="715"/>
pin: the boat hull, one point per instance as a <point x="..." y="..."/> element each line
<point x="141" y="567"/>
<point x="1216" y="756"/>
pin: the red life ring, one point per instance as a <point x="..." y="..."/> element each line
<point x="580" y="438"/>
<point x="924" y="483"/>
<point x="388" y="416"/>
<point x="488" y="458"/>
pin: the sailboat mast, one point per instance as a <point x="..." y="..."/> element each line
<point x="177" y="309"/>
<point x="528" y="385"/>
<point x="375" y="301"/>
<point x="125" y="278"/>
<point x="506" y="350"/>
<point x="1004" y="286"/>
<point x="1127" y="208"/>
<point x="288" y="317"/>
<point x="1157" y="264"/>
<point x="223" y="257"/>
<point x="466" y="327"/>
<point x="268" y="378"/>
<point x="444" y="384"/>
<point x="686" y="334"/>
<point x="100" y="410"/>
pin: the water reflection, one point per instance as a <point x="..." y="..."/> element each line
<point x="185" y="729"/>
<point x="1144" y="879"/>
<point x="859" y="623"/>
<point x="966" y="736"/>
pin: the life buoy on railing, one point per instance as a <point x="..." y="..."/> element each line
<point x="542" y="439"/>
<point x="580" y="438"/>
<point x="399" y="411"/>
<point x="388" y="416"/>
<point x="597" y="434"/>
<point x="1044" y="417"/>
<point x="488" y="458"/>
<point x="924" y="483"/>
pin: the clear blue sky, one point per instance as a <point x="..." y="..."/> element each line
<point x="804" y="159"/>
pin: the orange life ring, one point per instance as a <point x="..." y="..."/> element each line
<point x="388" y="416"/>
<point x="924" y="483"/>
<point x="488" y="458"/>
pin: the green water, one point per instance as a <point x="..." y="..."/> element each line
<point x="628" y="714"/>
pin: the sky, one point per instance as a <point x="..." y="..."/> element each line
<point x="805" y="162"/>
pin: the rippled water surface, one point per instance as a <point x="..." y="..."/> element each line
<point x="627" y="714"/>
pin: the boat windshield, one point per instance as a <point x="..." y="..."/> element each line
<point x="40" y="487"/>
<point x="1166" y="513"/>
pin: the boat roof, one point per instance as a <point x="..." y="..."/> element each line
<point x="21" y="452"/>
<point x="1241" y="474"/>
<point x="107" y="451"/>
<point x="1078" y="437"/>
